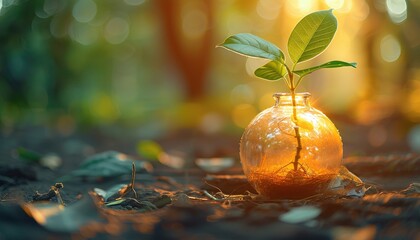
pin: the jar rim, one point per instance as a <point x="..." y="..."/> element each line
<point x="282" y="94"/>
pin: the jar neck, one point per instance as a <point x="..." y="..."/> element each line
<point x="285" y="99"/>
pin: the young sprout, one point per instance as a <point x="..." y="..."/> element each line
<point x="310" y="37"/>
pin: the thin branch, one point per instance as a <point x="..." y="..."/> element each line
<point x="133" y="178"/>
<point x="210" y="196"/>
<point x="53" y="192"/>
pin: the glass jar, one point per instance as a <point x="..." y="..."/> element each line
<point x="291" y="150"/>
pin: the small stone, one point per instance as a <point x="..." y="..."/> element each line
<point x="51" y="161"/>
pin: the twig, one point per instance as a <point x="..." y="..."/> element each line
<point x="210" y="196"/>
<point x="228" y="195"/>
<point x="53" y="192"/>
<point x="211" y="185"/>
<point x="133" y="178"/>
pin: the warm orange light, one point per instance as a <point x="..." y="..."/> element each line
<point x="300" y="7"/>
<point x="41" y="212"/>
<point x="269" y="148"/>
<point x="242" y="114"/>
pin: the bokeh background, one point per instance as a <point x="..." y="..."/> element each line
<point x="151" y="66"/>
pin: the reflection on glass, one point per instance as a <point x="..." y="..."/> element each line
<point x="269" y="149"/>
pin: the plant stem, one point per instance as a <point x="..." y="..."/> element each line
<point x="297" y="132"/>
<point x="295" y="121"/>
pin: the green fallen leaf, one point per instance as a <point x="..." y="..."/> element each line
<point x="142" y="205"/>
<point x="57" y="218"/>
<point x="112" y="193"/>
<point x="107" y="164"/>
<point x="115" y="202"/>
<point x="346" y="184"/>
<point x="28" y="155"/>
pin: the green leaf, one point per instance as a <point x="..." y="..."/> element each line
<point x="149" y="149"/>
<point x="116" y="202"/>
<point x="332" y="64"/>
<point x="28" y="155"/>
<point x="273" y="70"/>
<point x="312" y="35"/>
<point x="107" y="164"/>
<point x="59" y="219"/>
<point x="252" y="46"/>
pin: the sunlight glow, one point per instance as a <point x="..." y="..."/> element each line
<point x="212" y="123"/>
<point x="42" y="211"/>
<point x="243" y="114"/>
<point x="268" y="9"/>
<point x="252" y="64"/>
<point x="411" y="107"/>
<point x="266" y="101"/>
<point x="397" y="10"/>
<point x="194" y="23"/>
<point x="342" y="6"/>
<point x="390" y="48"/>
<point x="361" y="11"/>
<point x="301" y="7"/>
<point x="242" y="93"/>
<point x="335" y="4"/>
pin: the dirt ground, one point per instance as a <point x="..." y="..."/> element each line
<point x="187" y="203"/>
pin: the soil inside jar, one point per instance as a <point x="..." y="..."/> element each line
<point x="295" y="185"/>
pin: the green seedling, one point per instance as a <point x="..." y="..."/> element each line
<point x="310" y="37"/>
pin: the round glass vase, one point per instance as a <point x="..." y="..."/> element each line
<point x="291" y="150"/>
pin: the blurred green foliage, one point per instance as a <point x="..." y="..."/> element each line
<point x="57" y="62"/>
<point x="29" y="68"/>
<point x="153" y="65"/>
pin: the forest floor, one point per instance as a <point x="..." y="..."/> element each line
<point x="103" y="201"/>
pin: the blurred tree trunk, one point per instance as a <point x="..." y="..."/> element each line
<point x="190" y="53"/>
